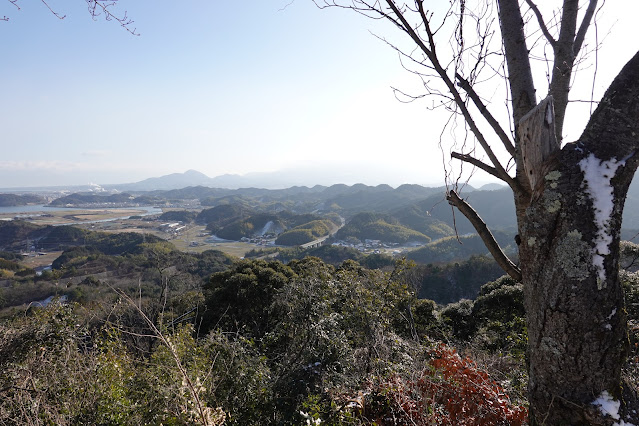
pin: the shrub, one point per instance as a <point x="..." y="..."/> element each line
<point x="459" y="317"/>
<point x="450" y="391"/>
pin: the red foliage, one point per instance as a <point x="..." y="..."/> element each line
<point x="451" y="391"/>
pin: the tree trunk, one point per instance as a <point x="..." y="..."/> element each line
<point x="569" y="229"/>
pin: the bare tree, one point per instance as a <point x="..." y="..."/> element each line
<point x="569" y="200"/>
<point x="96" y="9"/>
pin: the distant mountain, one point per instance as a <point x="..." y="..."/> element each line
<point x="172" y="181"/>
<point x="193" y="178"/>
<point x="266" y="180"/>
<point x="492" y="187"/>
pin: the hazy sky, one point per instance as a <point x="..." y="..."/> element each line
<point x="224" y="87"/>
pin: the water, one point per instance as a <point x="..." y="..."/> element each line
<point x="44" y="303"/>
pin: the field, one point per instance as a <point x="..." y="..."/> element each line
<point x="75" y="216"/>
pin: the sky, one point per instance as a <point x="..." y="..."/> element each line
<point x="229" y="87"/>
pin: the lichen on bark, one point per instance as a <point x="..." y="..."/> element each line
<point x="574" y="255"/>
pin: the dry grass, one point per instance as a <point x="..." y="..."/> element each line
<point x="67" y="217"/>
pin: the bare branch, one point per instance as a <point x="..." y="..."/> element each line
<point x="459" y="102"/>
<point x="542" y="23"/>
<point x="583" y="28"/>
<point x="201" y="409"/>
<point x="464" y="84"/>
<point x="522" y="87"/>
<point x="568" y="46"/>
<point x="477" y="163"/>
<point x="487" y="237"/>
<point x="97" y="8"/>
<point x="56" y="14"/>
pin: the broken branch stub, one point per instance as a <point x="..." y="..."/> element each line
<point x="538" y="141"/>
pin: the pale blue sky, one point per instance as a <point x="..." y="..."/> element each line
<point x="219" y="87"/>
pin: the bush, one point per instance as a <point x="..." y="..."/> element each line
<point x="55" y="369"/>
<point x="450" y="391"/>
<point x="630" y="284"/>
<point x="502" y="303"/>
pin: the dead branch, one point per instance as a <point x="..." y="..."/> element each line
<point x="468" y="88"/>
<point x="53" y="12"/>
<point x="542" y="23"/>
<point x="475" y="162"/>
<point x="159" y="335"/>
<point x="97" y="8"/>
<point x="583" y="28"/>
<point x="487" y="237"/>
<point x="522" y="88"/>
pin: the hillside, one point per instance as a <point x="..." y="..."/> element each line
<point x="305" y="233"/>
<point x="20" y="236"/>
<point x="79" y="199"/>
<point x="375" y="226"/>
<point x="247" y="228"/>
<point x="417" y="218"/>
<point x="450" y="249"/>
<point x="9" y="200"/>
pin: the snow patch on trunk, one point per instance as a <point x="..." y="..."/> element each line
<point x="607" y="405"/>
<point x="597" y="176"/>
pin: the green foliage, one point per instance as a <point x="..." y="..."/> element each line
<point x="450" y="249"/>
<point x="448" y="283"/>
<point x="52" y="373"/>
<point x="334" y="255"/>
<point x="318" y="228"/>
<point x="74" y="253"/>
<point x="222" y="215"/>
<point x="630" y="284"/>
<point x="424" y="316"/>
<point x="260" y="252"/>
<point x="459" y="317"/>
<point x="419" y="219"/>
<point x="15" y="267"/>
<point x="184" y="216"/>
<point x="379" y="227"/>
<point x="295" y="237"/>
<point x="239" y="299"/>
<point x="377" y="261"/>
<point x="502" y="300"/>
<point x="79" y="199"/>
<point x="278" y="344"/>
<point x="242" y="379"/>
<point x="245" y="228"/>
<point x="495" y="321"/>
<point x="14" y="233"/>
<point x="8" y="200"/>
<point x="7" y="255"/>
<point x="308" y="319"/>
<point x="296" y="221"/>
<point x="21" y="292"/>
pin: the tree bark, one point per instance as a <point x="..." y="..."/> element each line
<point x="577" y="331"/>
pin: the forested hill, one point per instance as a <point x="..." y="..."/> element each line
<point x="413" y="206"/>
<point x="7" y="200"/>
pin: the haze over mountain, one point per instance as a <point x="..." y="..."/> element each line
<point x="268" y="180"/>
